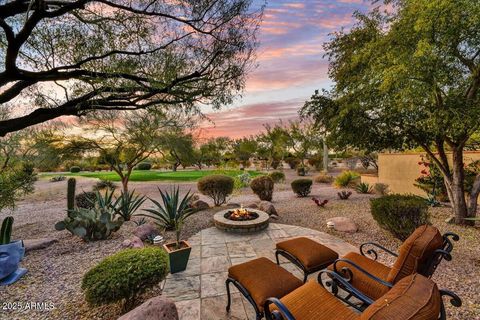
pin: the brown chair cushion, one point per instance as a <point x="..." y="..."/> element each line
<point x="412" y="298"/>
<point x="310" y="253"/>
<point x="312" y="302"/>
<point x="368" y="286"/>
<point x="264" y="279"/>
<point x="415" y="251"/>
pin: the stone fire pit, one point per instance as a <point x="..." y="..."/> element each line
<point x="241" y="226"/>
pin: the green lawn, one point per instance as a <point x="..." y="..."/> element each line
<point x="153" y="175"/>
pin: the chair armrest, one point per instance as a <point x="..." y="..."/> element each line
<point x="281" y="314"/>
<point x="372" y="252"/>
<point x="338" y="279"/>
<point x="454" y="301"/>
<point x="347" y="271"/>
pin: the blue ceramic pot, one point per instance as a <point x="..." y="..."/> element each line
<point x="10" y="256"/>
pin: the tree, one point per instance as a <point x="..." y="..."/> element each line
<point x="272" y="144"/>
<point x="61" y="58"/>
<point x="303" y="138"/>
<point x="176" y="147"/>
<point x="124" y="142"/>
<point x="244" y="149"/>
<point x="409" y="78"/>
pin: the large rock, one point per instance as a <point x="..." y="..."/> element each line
<point x="200" y="205"/>
<point x="145" y="230"/>
<point x="252" y="206"/>
<point x="37" y="244"/>
<point x="137" y="242"/>
<point x="343" y="224"/>
<point x="156" y="308"/>
<point x="267" y="207"/>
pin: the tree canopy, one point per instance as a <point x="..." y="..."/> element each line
<point x="73" y="57"/>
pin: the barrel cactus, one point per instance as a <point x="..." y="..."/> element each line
<point x="71" y="184"/>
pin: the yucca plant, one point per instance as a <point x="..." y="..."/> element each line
<point x="172" y="211"/>
<point x="127" y="204"/>
<point x="364" y="187"/>
<point x="6" y="231"/>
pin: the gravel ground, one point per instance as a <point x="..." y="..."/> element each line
<point x="55" y="273"/>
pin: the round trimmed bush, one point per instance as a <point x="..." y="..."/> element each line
<point x="263" y="187"/>
<point x="323" y="178"/>
<point x="400" y="214"/>
<point x="277" y="176"/>
<point x="302" y="187"/>
<point x="75" y="169"/>
<point x="125" y="275"/>
<point x="144" y="166"/>
<point x="86" y="199"/>
<point x="216" y="186"/>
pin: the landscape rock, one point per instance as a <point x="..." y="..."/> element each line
<point x="200" y="205"/>
<point x="145" y="230"/>
<point x="268" y="207"/>
<point x="156" y="308"/>
<point x="127" y="243"/>
<point x="137" y="242"/>
<point x="233" y="205"/>
<point x="343" y="224"/>
<point x="37" y="244"/>
<point x="252" y="206"/>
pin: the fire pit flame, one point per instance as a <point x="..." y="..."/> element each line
<point x="241" y="214"/>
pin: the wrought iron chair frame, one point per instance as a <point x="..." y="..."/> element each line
<point x="299" y="264"/>
<point x="246" y="294"/>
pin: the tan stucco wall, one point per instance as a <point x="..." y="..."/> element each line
<point x="399" y="170"/>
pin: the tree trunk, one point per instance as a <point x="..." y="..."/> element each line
<point x="458" y="193"/>
<point x="125" y="184"/>
<point x="472" y="208"/>
<point x="325" y="156"/>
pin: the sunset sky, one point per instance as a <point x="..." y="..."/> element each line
<point x="290" y="64"/>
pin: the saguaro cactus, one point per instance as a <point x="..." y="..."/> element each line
<point x="6" y="231"/>
<point x="71" y="193"/>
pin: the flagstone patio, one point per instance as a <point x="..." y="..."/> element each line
<point x="199" y="291"/>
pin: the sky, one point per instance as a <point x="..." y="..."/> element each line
<point x="290" y="64"/>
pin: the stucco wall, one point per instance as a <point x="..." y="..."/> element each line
<point x="399" y="170"/>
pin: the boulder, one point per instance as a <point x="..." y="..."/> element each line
<point x="252" y="206"/>
<point x="200" y="205"/>
<point x="37" y="244"/>
<point x="137" y="242"/>
<point x="156" y="308"/>
<point x="233" y="205"/>
<point x="268" y="207"/>
<point x="127" y="243"/>
<point x="343" y="224"/>
<point x="145" y="230"/>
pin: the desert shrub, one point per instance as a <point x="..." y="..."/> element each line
<point x="144" y="166"/>
<point x="346" y="179"/>
<point x="86" y="199"/>
<point x="400" y="214"/>
<point x="125" y="275"/>
<point x="216" y="186"/>
<point x="292" y="162"/>
<point x="316" y="161"/>
<point x="263" y="187"/>
<point x="75" y="169"/>
<point x="381" y="188"/>
<point x="275" y="163"/>
<point x="242" y="181"/>
<point x="364" y="187"/>
<point x="302" y="187"/>
<point x="323" y="178"/>
<point x="277" y="176"/>
<point x="57" y="178"/>
<point x="302" y="170"/>
<point x="105" y="184"/>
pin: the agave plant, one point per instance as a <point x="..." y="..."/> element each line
<point x="127" y="204"/>
<point x="172" y="211"/>
<point x="364" y="187"/>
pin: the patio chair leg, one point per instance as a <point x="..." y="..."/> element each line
<point x="276" y="257"/>
<point x="305" y="276"/>
<point x="227" y="283"/>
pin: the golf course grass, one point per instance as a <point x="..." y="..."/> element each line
<point x="154" y="175"/>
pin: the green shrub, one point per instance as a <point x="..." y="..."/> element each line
<point x="216" y="186"/>
<point x="292" y="162"/>
<point x="302" y="187"/>
<point x="75" y="169"/>
<point x="323" y="178"/>
<point x="346" y="179"/>
<point x="400" y="214"/>
<point x="381" y="188"/>
<point x="242" y="180"/>
<point x="363" y="187"/>
<point x="277" y="176"/>
<point x="57" y="178"/>
<point x="302" y="170"/>
<point x="263" y="187"/>
<point x="316" y="161"/>
<point x="86" y="199"/>
<point x="144" y="166"/>
<point x="125" y="275"/>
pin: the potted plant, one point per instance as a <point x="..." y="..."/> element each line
<point x="171" y="215"/>
<point x="11" y="253"/>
